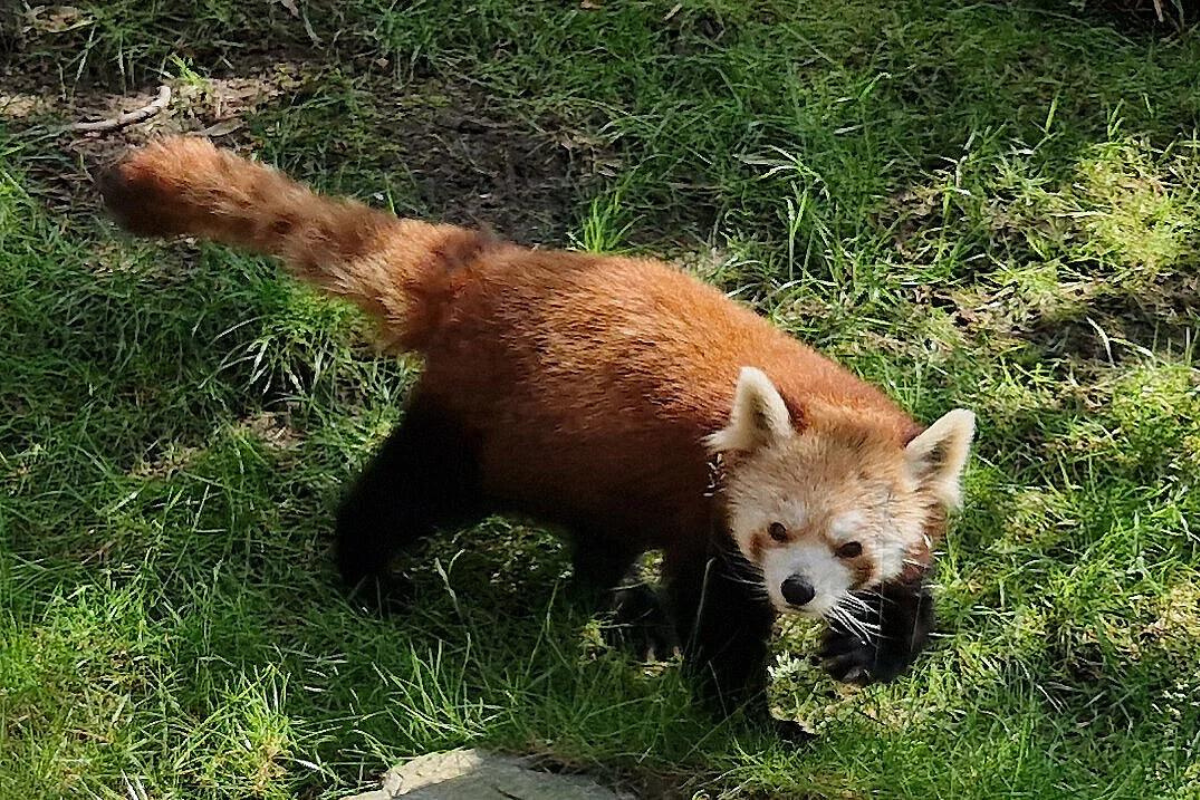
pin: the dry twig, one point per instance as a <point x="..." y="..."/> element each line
<point x="128" y="118"/>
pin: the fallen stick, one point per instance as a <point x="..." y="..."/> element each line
<point x="128" y="118"/>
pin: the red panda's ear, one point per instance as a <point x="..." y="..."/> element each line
<point x="759" y="416"/>
<point x="938" y="456"/>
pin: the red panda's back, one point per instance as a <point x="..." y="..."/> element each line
<point x="592" y="381"/>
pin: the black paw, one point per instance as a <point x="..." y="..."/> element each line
<point x="792" y="732"/>
<point x="637" y="623"/>
<point x="850" y="658"/>
<point x="891" y="633"/>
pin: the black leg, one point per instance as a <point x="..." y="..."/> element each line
<point x="607" y="578"/>
<point x="899" y="619"/>
<point x="424" y="477"/>
<point x="725" y="621"/>
<point x="639" y="624"/>
<point x="599" y="563"/>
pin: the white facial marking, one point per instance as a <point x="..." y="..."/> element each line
<point x="828" y="576"/>
<point x="845" y="527"/>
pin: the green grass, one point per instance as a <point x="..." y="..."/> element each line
<point x="987" y="205"/>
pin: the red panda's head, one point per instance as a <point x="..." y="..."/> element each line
<point x="840" y="506"/>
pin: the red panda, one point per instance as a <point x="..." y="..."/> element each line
<point x="598" y="394"/>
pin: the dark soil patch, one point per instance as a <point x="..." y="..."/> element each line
<point x="474" y="168"/>
<point x="1110" y="327"/>
<point x="61" y="163"/>
<point x="465" y="158"/>
<point x="1159" y="16"/>
<point x="1087" y="323"/>
<point x="446" y="151"/>
<point x="1168" y="15"/>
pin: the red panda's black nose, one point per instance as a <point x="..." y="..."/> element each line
<point x="797" y="591"/>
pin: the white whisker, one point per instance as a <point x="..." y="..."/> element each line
<point x="861" y="627"/>
<point x="856" y="601"/>
<point x="852" y="626"/>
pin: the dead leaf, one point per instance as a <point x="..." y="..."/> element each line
<point x="56" y="19"/>
<point x="18" y="106"/>
<point x="291" y="6"/>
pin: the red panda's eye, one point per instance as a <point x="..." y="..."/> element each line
<point x="777" y="532"/>
<point x="849" y="550"/>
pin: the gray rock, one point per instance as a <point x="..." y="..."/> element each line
<point x="476" y="775"/>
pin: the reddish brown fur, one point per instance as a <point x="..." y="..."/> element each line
<point x="398" y="270"/>
<point x="558" y="360"/>
<point x="758" y="543"/>
<point x="864" y="570"/>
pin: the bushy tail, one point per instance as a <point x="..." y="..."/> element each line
<point x="399" y="270"/>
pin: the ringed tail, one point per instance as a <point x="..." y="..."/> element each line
<point x="398" y="270"/>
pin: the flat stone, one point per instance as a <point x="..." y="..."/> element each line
<point x="476" y="775"/>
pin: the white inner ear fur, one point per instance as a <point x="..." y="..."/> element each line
<point x="937" y="457"/>
<point x="759" y="417"/>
